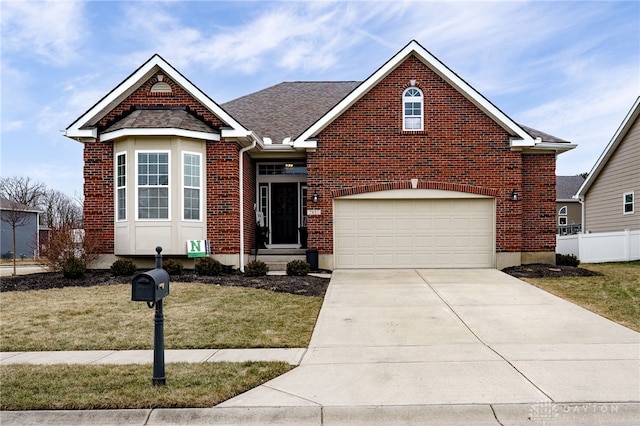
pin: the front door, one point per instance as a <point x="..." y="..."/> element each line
<point x="284" y="213"/>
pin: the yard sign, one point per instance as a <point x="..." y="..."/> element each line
<point x="196" y="248"/>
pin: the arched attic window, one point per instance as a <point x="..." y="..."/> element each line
<point x="412" y="111"/>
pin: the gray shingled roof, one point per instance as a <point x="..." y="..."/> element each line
<point x="289" y="108"/>
<point x="542" y="135"/>
<point x="159" y="119"/>
<point x="567" y="186"/>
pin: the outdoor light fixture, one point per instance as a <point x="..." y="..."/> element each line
<point x="514" y="195"/>
<point x="315" y="197"/>
<point x="288" y="166"/>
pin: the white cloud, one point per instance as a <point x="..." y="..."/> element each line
<point x="12" y="125"/>
<point x="48" y="30"/>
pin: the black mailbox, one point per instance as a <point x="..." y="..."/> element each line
<point x="150" y="286"/>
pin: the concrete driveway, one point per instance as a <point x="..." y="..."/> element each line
<point x="475" y="344"/>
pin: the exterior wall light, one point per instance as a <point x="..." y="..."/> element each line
<point x="515" y="196"/>
<point x="315" y="197"/>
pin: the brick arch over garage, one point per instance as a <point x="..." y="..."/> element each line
<point x="388" y="186"/>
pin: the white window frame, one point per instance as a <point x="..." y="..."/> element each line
<point x="168" y="185"/>
<point x="185" y="186"/>
<point x="562" y="219"/>
<point x="412" y="99"/>
<point x="563" y="211"/>
<point x="624" y="202"/>
<point x="121" y="187"/>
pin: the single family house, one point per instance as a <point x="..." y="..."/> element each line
<point x="411" y="167"/>
<point x="568" y="208"/>
<point x="611" y="220"/>
<point x="24" y="220"/>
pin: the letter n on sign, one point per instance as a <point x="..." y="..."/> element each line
<point x="196" y="248"/>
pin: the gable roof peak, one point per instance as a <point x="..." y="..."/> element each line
<point x="85" y="126"/>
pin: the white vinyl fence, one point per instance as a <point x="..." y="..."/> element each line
<point x="601" y="247"/>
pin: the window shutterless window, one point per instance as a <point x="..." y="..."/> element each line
<point x="153" y="185"/>
<point x="628" y="203"/>
<point x="192" y="183"/>
<point x="121" y="186"/>
<point x="412" y="111"/>
<point x="563" y="210"/>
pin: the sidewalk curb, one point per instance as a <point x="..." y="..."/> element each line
<point x="482" y="414"/>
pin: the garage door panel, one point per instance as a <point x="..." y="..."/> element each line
<point x="389" y="233"/>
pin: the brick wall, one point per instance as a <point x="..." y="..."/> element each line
<point x="539" y="203"/>
<point x="460" y="145"/>
<point x="221" y="173"/>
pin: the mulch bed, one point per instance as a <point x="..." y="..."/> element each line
<point x="305" y="286"/>
<point x="539" y="270"/>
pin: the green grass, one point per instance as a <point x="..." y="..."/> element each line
<point x="85" y="387"/>
<point x="197" y="316"/>
<point x="614" y="295"/>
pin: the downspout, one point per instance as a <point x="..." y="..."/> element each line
<point x="241" y="153"/>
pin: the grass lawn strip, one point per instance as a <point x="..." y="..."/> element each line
<point x="614" y="295"/>
<point x="197" y="316"/>
<point x="87" y="387"/>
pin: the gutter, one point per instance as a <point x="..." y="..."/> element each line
<point x="241" y="188"/>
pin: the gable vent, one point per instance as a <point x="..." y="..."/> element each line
<point x="161" y="87"/>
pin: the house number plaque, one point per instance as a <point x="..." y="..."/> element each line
<point x="313" y="212"/>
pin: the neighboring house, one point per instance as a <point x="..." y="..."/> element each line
<point x="410" y="168"/>
<point x="568" y="208"/>
<point x="611" y="220"/>
<point x="610" y="190"/>
<point x="26" y="221"/>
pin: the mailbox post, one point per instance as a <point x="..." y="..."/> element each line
<point x="151" y="287"/>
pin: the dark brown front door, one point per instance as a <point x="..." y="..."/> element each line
<point x="284" y="213"/>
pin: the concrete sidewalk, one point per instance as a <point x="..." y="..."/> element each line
<point x="291" y="356"/>
<point x="432" y="347"/>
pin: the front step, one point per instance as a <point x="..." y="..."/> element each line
<point x="277" y="259"/>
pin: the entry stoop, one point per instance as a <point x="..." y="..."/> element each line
<point x="277" y="259"/>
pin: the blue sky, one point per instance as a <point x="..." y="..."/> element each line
<point x="571" y="69"/>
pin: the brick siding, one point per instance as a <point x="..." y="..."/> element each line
<point x="221" y="173"/>
<point x="460" y="148"/>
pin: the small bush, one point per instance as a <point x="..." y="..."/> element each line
<point x="298" y="268"/>
<point x="172" y="266"/>
<point x="123" y="268"/>
<point x="73" y="268"/>
<point x="256" y="268"/>
<point x="208" y="266"/>
<point x="567" y="260"/>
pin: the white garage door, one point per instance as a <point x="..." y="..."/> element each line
<point x="414" y="233"/>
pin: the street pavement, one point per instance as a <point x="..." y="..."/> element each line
<point x="421" y="347"/>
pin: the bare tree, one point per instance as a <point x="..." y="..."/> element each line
<point x="60" y="210"/>
<point x="22" y="190"/>
<point x="16" y="215"/>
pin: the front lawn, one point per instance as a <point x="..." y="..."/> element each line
<point x="615" y="294"/>
<point x="197" y="316"/>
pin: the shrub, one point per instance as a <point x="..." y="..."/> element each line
<point x="65" y="242"/>
<point x="73" y="268"/>
<point x="172" y="266"/>
<point x="567" y="260"/>
<point x="208" y="266"/>
<point x="256" y="268"/>
<point x="123" y="267"/>
<point x="298" y="268"/>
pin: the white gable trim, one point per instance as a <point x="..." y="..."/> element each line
<point x="120" y="133"/>
<point x="617" y="138"/>
<point x="83" y="127"/>
<point x="521" y="136"/>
